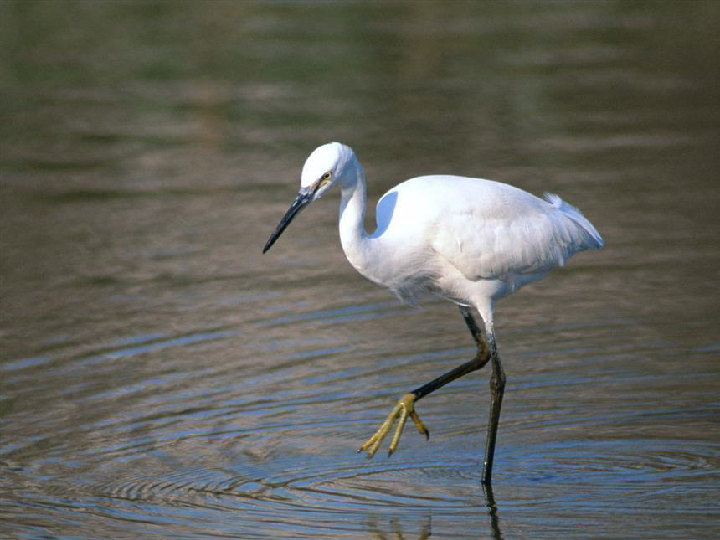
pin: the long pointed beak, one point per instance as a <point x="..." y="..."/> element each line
<point x="304" y="197"/>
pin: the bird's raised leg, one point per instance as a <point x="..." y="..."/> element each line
<point x="406" y="405"/>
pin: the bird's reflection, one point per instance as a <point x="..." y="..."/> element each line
<point x="492" y="511"/>
<point x="395" y="531"/>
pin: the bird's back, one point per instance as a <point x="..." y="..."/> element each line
<point x="487" y="230"/>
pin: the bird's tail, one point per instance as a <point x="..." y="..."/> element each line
<point x="595" y="240"/>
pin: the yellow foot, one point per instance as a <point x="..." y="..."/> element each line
<point x="405" y="407"/>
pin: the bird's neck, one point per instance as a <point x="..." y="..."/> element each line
<point x="352" y="215"/>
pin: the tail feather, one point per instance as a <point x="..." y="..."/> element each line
<point x="596" y="241"/>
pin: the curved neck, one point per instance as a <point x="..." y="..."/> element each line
<point x="352" y="217"/>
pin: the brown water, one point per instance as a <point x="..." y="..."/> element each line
<point x="159" y="378"/>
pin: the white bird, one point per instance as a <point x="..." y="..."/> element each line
<point x="469" y="240"/>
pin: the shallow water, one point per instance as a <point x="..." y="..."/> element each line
<point x="159" y="378"/>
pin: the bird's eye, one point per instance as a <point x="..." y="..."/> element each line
<point x="325" y="176"/>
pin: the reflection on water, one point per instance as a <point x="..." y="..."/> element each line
<point x="159" y="378"/>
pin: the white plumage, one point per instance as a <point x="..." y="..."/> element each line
<point x="469" y="240"/>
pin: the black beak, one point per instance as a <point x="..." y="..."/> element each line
<point x="304" y="197"/>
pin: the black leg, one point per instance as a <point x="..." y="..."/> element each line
<point x="406" y="405"/>
<point x="486" y="352"/>
<point x="474" y="330"/>
<point x="497" y="389"/>
<point x="481" y="358"/>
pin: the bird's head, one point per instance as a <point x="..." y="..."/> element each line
<point x="329" y="164"/>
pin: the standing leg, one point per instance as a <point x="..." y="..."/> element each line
<point x="497" y="389"/>
<point x="481" y="358"/>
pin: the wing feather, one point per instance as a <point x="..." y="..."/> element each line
<point x="511" y="232"/>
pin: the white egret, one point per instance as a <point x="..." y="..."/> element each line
<point x="469" y="240"/>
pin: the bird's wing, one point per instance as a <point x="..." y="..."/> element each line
<point x="512" y="232"/>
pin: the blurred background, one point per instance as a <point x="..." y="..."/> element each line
<point x="159" y="378"/>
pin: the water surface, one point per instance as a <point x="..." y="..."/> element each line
<point x="159" y="378"/>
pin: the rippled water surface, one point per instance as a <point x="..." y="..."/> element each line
<point x="159" y="378"/>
